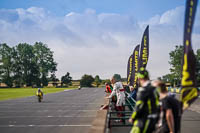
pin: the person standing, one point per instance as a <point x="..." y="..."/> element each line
<point x="146" y="113"/>
<point x="171" y="110"/>
<point x="118" y="90"/>
<point x="133" y="92"/>
<point x="108" y="88"/>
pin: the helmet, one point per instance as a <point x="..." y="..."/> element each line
<point x="143" y="73"/>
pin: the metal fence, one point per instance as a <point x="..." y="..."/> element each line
<point x="113" y="120"/>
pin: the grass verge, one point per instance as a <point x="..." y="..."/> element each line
<point x="13" y="93"/>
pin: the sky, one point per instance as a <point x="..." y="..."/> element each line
<point x="97" y="36"/>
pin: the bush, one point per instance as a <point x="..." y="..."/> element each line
<point x="86" y="81"/>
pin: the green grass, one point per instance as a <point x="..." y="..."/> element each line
<point x="13" y="93"/>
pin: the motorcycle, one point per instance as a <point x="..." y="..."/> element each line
<point x="40" y="96"/>
<point x="79" y="88"/>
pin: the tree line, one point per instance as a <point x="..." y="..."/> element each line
<point x="26" y="64"/>
<point x="85" y="81"/>
<point x="34" y="65"/>
<point x="175" y="61"/>
<point x="88" y="80"/>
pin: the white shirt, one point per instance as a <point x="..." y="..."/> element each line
<point x="116" y="89"/>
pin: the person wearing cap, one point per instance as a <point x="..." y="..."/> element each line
<point x="118" y="90"/>
<point x="146" y="113"/>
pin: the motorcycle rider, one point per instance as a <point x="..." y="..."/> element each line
<point x="39" y="93"/>
<point x="146" y="113"/>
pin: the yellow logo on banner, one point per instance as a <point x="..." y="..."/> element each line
<point x="190" y="16"/>
<point x="144" y="52"/>
<point x="130" y="70"/>
<point x="136" y="67"/>
<point x="136" y="61"/>
<point x="186" y="74"/>
<point x="191" y="95"/>
<point x="145" y="40"/>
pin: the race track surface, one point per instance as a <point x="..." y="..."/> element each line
<point x="65" y="112"/>
<point x="190" y="122"/>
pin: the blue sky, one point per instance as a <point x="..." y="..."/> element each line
<point x="97" y="36"/>
<point x="141" y="9"/>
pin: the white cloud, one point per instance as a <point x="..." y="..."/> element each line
<point x="173" y="17"/>
<point x="91" y="43"/>
<point x="166" y="31"/>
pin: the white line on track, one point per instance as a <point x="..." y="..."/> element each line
<point x="68" y="90"/>
<point x="74" y="106"/>
<point x="45" y="125"/>
<point x="48" y="116"/>
<point x="47" y="111"/>
<point x="28" y="103"/>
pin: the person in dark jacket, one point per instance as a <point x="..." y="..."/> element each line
<point x="133" y="92"/>
<point x="146" y="113"/>
<point x="171" y="112"/>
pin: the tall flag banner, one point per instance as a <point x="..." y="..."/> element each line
<point x="189" y="91"/>
<point x="144" y="50"/>
<point x="135" y="65"/>
<point x="132" y="67"/>
<point x="129" y="70"/>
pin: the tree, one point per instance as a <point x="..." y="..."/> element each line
<point x="67" y="79"/>
<point x="45" y="61"/>
<point x="53" y="79"/>
<point x="176" y="63"/>
<point x="168" y="78"/>
<point x="198" y="67"/>
<point x="17" y="70"/>
<point x="176" y="66"/>
<point x="26" y="65"/>
<point x="86" y="81"/>
<point x="106" y="81"/>
<point x="97" y="80"/>
<point x="6" y="64"/>
<point x="1" y="73"/>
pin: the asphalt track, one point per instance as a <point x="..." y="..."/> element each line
<point x="190" y="122"/>
<point x="191" y="119"/>
<point x="66" y="112"/>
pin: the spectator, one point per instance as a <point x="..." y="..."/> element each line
<point x="108" y="88"/>
<point x="171" y="110"/>
<point x="118" y="90"/>
<point x="127" y="88"/>
<point x="133" y="92"/>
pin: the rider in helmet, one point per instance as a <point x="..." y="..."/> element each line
<point x="39" y="92"/>
<point x="146" y="113"/>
